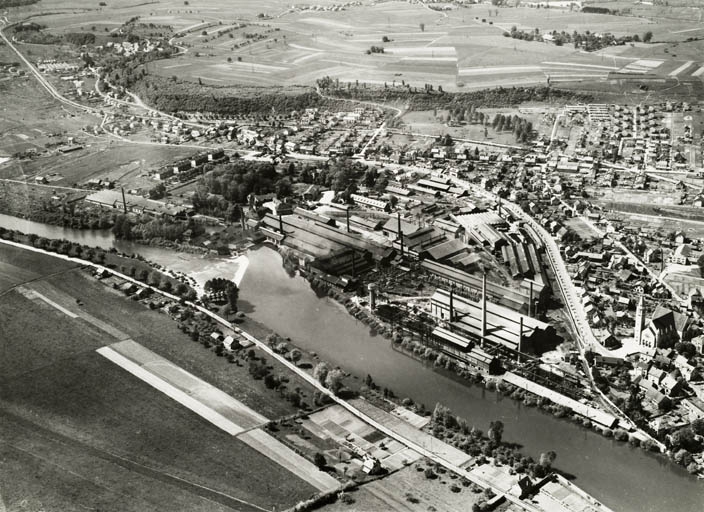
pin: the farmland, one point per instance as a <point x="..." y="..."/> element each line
<point x="465" y="47"/>
<point x="409" y="490"/>
<point x="56" y="391"/>
<point x="271" y="43"/>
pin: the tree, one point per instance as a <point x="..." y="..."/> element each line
<point x="283" y="188"/>
<point x="333" y="381"/>
<point x="547" y="458"/>
<point x="422" y="27"/>
<point x="496" y="431"/>
<point x="647" y="37"/>
<point x="319" y="460"/>
<point x="321" y="371"/>
<point x="295" y="355"/>
<point x="698" y="426"/>
<point x="700" y="263"/>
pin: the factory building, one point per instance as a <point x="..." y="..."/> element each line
<point x="465" y="351"/>
<point x="490" y="324"/>
<point x="469" y="285"/>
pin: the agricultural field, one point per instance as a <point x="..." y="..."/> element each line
<point x="465" y="47"/>
<point x="30" y="119"/>
<point x="273" y="43"/>
<point x="58" y="392"/>
<point x="409" y="490"/>
<point x="127" y="164"/>
<point x="140" y="324"/>
<point x="18" y="266"/>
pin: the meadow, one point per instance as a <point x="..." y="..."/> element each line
<point x="56" y="391"/>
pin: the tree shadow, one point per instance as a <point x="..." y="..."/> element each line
<point x="245" y="306"/>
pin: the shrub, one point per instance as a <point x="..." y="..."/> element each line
<point x="621" y="435"/>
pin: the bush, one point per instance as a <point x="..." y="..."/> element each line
<point x="319" y="460"/>
<point x="345" y="498"/>
<point x="621" y="435"/>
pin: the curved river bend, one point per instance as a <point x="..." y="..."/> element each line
<point x="623" y="478"/>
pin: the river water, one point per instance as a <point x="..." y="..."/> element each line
<point x="623" y="478"/>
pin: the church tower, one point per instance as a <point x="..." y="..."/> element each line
<point x="640" y="320"/>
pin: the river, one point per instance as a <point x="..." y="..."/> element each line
<point x="624" y="478"/>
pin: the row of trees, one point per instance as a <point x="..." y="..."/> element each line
<point x="471" y="440"/>
<point x="427" y="99"/>
<point x="181" y="96"/>
<point x="147" y="228"/>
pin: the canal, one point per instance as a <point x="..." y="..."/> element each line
<point x="623" y="478"/>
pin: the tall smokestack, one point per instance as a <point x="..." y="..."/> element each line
<point x="520" y="338"/>
<point x="124" y="202"/>
<point x="281" y="224"/>
<point x="530" y="300"/>
<point x="483" y="307"/>
<point x="400" y="231"/>
<point x="452" y="303"/>
<point x="347" y="211"/>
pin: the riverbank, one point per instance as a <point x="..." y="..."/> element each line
<point x="625" y="478"/>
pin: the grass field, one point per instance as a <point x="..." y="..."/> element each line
<point x="18" y="266"/>
<point x="57" y="392"/>
<point x="159" y="333"/>
<point x="424" y="122"/>
<point x="91" y="401"/>
<point x="127" y="164"/>
<point x="409" y="490"/>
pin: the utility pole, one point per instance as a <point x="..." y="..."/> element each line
<point x="483" y="309"/>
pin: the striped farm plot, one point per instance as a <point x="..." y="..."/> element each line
<point x="251" y="67"/>
<point x="424" y="52"/>
<point x="681" y="69"/>
<point x="576" y="71"/>
<point x="498" y="70"/>
<point x="642" y="66"/>
<point x="213" y="405"/>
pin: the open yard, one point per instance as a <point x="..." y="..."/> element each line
<point x="126" y="164"/>
<point x="408" y="490"/>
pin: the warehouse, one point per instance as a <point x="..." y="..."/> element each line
<point x="115" y="199"/>
<point x="495" y="324"/>
<point x="465" y="351"/>
<point x="471" y="285"/>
